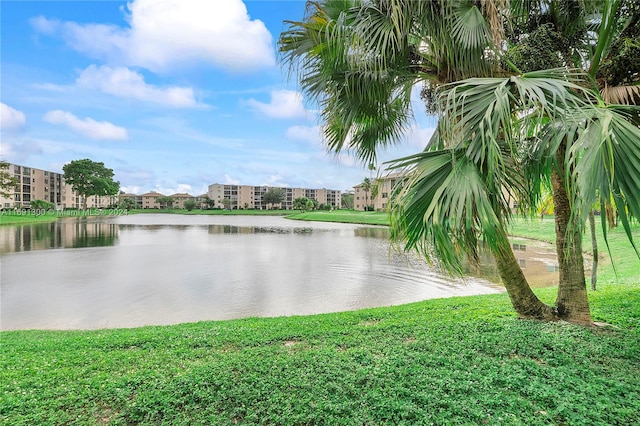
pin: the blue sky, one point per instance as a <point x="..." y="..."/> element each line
<point x="173" y="95"/>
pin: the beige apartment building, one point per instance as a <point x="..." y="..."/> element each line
<point x="251" y="197"/>
<point x="150" y="200"/>
<point x="180" y="198"/>
<point x="37" y="184"/>
<point x="381" y="187"/>
<point x="135" y="197"/>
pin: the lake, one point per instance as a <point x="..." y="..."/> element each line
<point x="159" y="269"/>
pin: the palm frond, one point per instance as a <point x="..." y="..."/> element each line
<point x="606" y="163"/>
<point x="445" y="207"/>
<point x="621" y="95"/>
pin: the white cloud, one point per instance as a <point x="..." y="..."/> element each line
<point x="228" y="180"/>
<point x="125" y="83"/>
<point x="44" y="25"/>
<point x="87" y="127"/>
<point x="284" y="104"/>
<point x="11" y="119"/>
<point x="166" y="34"/>
<point x="133" y="189"/>
<point x="419" y="136"/>
<point x="20" y="152"/>
<point x="309" y="134"/>
<point x="183" y="187"/>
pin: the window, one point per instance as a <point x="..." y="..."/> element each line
<point x="385" y="195"/>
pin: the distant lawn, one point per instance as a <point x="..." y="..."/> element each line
<point x="346" y="216"/>
<point x="9" y="218"/>
<point x="215" y="212"/>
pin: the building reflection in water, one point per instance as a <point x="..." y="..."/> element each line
<point x="59" y="234"/>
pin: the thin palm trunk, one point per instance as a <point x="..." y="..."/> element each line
<point x="611" y="215"/>
<point x="572" y="303"/>
<point x="594" y="247"/>
<point x="524" y="301"/>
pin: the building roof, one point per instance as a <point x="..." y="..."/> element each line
<point x="152" y="194"/>
<point x="181" y="195"/>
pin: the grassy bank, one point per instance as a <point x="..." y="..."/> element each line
<point x="8" y="218"/>
<point x="461" y="360"/>
<point x="464" y="360"/>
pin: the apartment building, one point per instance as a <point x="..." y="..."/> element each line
<point x="37" y="184"/>
<point x="180" y="198"/>
<point x="251" y="197"/>
<point x="379" y="193"/>
<point x="137" y="199"/>
<point x="150" y="200"/>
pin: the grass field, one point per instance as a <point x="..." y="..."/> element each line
<point x="463" y="360"/>
<point x="8" y="218"/>
<point x="346" y="216"/>
<point x="215" y="212"/>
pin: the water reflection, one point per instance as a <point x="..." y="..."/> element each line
<point x="232" y="229"/>
<point x="370" y="232"/>
<point x="65" y="233"/>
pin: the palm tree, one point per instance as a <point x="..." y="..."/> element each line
<point x="500" y="133"/>
<point x="366" y="187"/>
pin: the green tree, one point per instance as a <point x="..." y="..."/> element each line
<point x="303" y="204"/>
<point x="7" y="181"/>
<point x="273" y="196"/>
<point x="226" y="202"/>
<point x="501" y="131"/>
<point x="347" y="201"/>
<point x="189" y="205"/>
<point x="209" y="203"/>
<point x="42" y="204"/>
<point x="165" y="202"/>
<point x="127" y="203"/>
<point x="89" y="178"/>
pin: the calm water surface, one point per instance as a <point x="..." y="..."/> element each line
<point x="129" y="271"/>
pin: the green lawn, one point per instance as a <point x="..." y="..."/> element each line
<point x="9" y="218"/>
<point x="215" y="212"/>
<point x="464" y="360"/>
<point x="346" y="216"/>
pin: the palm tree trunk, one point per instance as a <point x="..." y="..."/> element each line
<point x="524" y="301"/>
<point x="572" y="303"/>
<point x="594" y="248"/>
<point x="611" y="215"/>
